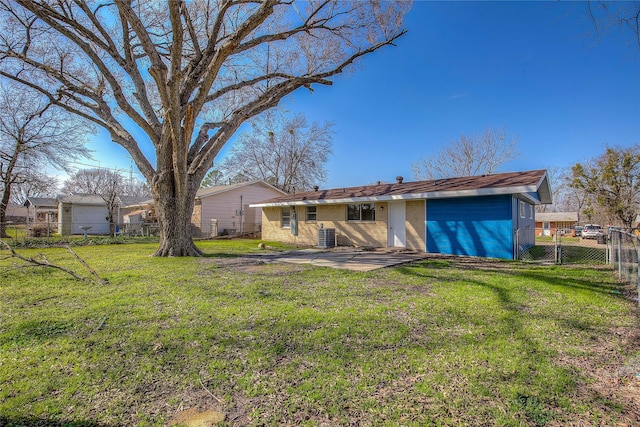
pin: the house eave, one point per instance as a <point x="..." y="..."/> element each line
<point x="527" y="192"/>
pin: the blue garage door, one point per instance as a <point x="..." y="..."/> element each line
<point x="477" y="226"/>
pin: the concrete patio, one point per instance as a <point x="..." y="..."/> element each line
<point x="349" y="258"/>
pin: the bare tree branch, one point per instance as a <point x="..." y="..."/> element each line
<point x="469" y="156"/>
<point x="285" y="151"/>
<point x="44" y="262"/>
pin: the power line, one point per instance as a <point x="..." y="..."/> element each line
<point x="98" y="166"/>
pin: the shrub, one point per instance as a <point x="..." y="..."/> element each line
<point x="38" y="230"/>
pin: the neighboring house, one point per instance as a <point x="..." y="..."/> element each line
<point x="219" y="210"/>
<point x="78" y="212"/>
<point x="489" y="215"/>
<point x="16" y="213"/>
<point x="228" y="208"/>
<point x="128" y="204"/>
<point x="548" y="222"/>
<point x="42" y="209"/>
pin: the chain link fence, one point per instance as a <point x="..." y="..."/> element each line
<point x="563" y="248"/>
<point x="624" y="257"/>
<point x="25" y="232"/>
<point x="49" y="232"/>
<point x="618" y="248"/>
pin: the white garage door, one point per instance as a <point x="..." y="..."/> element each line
<point x="89" y="216"/>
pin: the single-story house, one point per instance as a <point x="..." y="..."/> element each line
<point x="128" y="204"/>
<point x="42" y="209"/>
<point x="548" y="222"/>
<point x="488" y="215"/>
<point x="226" y="209"/>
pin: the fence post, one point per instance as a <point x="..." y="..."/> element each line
<point x="619" y="258"/>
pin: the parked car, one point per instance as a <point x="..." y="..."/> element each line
<point x="577" y="231"/>
<point x="592" y="231"/>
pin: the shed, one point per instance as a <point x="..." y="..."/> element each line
<point x="76" y="211"/>
<point x="488" y="215"/>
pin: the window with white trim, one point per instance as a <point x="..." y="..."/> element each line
<point x="522" y="209"/>
<point x="286" y="217"/>
<point x="531" y="210"/>
<point x="312" y="213"/>
<point x="361" y="212"/>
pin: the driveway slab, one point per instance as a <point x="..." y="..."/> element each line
<point x="349" y="259"/>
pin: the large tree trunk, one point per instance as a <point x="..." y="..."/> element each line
<point x="174" y="218"/>
<point x="4" y="204"/>
<point x="175" y="228"/>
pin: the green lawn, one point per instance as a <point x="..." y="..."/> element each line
<point x="440" y="342"/>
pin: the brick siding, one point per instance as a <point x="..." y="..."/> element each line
<point x="348" y="233"/>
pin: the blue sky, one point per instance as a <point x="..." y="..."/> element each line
<point x="536" y="68"/>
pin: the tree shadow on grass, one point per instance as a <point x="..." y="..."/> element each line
<point x="41" y="422"/>
<point x="521" y="270"/>
<point x="517" y="316"/>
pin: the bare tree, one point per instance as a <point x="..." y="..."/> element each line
<point x="286" y="152"/>
<point x="469" y="156"/>
<point x="38" y="185"/>
<point x="135" y="188"/>
<point x="181" y="76"/>
<point x="34" y="134"/>
<point x="106" y="183"/>
<point x="605" y="14"/>
<point x="555" y="178"/>
<point x="566" y="197"/>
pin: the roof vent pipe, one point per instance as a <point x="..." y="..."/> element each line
<point x="399" y="179"/>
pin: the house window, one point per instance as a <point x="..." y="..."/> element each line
<point x="531" y="208"/>
<point x="286" y="217"/>
<point x="312" y="213"/>
<point x="361" y="212"/>
<point x="522" y="209"/>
